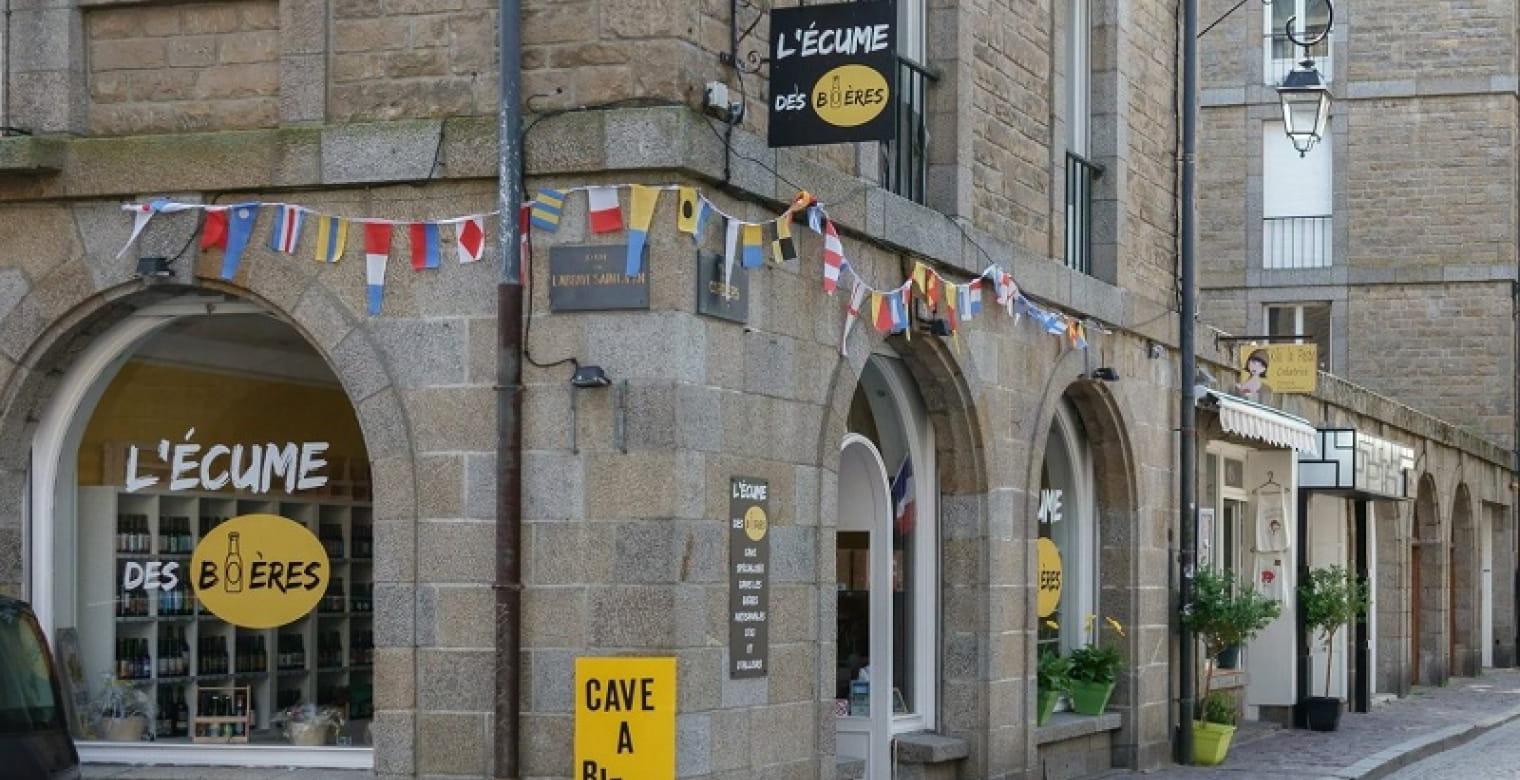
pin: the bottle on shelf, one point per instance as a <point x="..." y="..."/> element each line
<point x="181" y="714"/>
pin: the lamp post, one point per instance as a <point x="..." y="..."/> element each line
<point x="1306" y="112"/>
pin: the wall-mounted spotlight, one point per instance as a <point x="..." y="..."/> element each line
<point x="1104" y="374"/>
<point x="153" y="268"/>
<point x="590" y="376"/>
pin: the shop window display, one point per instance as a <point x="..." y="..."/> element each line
<point x="214" y="419"/>
<point x="1064" y="516"/>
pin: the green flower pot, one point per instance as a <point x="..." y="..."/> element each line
<point x="1090" y="698"/>
<point x="1211" y="742"/>
<point x="1046" y="700"/>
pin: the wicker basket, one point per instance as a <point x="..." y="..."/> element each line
<point x="128" y="729"/>
<point x="309" y="734"/>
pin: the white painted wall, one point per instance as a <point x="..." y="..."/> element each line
<point x="1486" y="584"/>
<point x="1328" y="544"/>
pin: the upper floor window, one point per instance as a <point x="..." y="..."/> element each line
<point x="905" y="163"/>
<point x="1309" y="18"/>
<point x="1296" y="199"/>
<point x="1081" y="171"/>
<point x="1310" y="322"/>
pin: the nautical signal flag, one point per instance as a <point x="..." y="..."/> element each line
<point x="332" y="235"/>
<point x="287" y="229"/>
<point x="750" y="237"/>
<point x="858" y="291"/>
<point x="691" y="215"/>
<point x="240" y="219"/>
<point x="214" y="231"/>
<point x="641" y="203"/>
<point x="377" y="250"/>
<point x="783" y="249"/>
<point x="902" y="497"/>
<point x="971" y="299"/>
<point x="730" y="247"/>
<point x="606" y="214"/>
<point x="470" y="237"/>
<point x="833" y="256"/>
<point x="524" y="243"/>
<point x="424" y="245"/>
<point x="547" y="207"/>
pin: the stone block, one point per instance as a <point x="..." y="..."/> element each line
<point x="395" y="615"/>
<point x="396" y="545"/>
<point x="646" y="552"/>
<point x="396" y="686"/>
<point x="378" y="152"/>
<point x="395" y="482"/>
<point x="567" y="554"/>
<point x="701" y="619"/>
<point x="650" y="416"/>
<point x="547" y="740"/>
<point x="697" y="422"/>
<point x="423" y="353"/>
<point x="455" y="680"/>
<point x="322" y="318"/>
<point x="441" y="493"/>
<point x="386" y="433"/>
<point x="303" y="93"/>
<point x="782" y="733"/>
<point x="457" y="551"/>
<point x="394" y="734"/>
<point x="662" y="345"/>
<point x="554" y="616"/>
<point x="553" y="680"/>
<point x="359" y="365"/>
<point x="639" y="484"/>
<point x="631" y="616"/>
<point x="453" y="743"/>
<point x="480" y="486"/>
<point x="552" y="486"/>
<point x="450" y="418"/>
<point x="694" y="735"/>
<point x="793" y="556"/>
<point x="456" y="616"/>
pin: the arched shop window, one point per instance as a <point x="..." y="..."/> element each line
<point x="888" y="411"/>
<point x="206" y="421"/>
<point x="1065" y="518"/>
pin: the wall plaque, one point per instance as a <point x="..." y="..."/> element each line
<point x="749" y="559"/>
<point x="592" y="278"/>
<point x="714" y="298"/>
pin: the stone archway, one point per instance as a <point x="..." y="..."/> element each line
<point x="1392" y="598"/>
<point x="1428" y="649"/>
<point x="49" y="344"/>
<point x="1462" y="590"/>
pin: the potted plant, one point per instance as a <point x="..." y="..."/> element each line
<point x="309" y="725"/>
<point x="1331" y="598"/>
<point x="1212" y="734"/>
<point x="1094" y="670"/>
<point x="1053" y="679"/>
<point x="121" y="711"/>
<point x="1226" y="614"/>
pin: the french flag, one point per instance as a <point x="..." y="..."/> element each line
<point x="833" y="256"/>
<point x="606" y="215"/>
<point x="287" y="229"/>
<point x="902" y="497"/>
<point x="973" y="302"/>
<point x="377" y="251"/>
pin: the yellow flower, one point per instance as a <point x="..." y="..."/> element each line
<point x="1052" y="625"/>
<point x="1114" y="624"/>
<point x="1087" y="625"/>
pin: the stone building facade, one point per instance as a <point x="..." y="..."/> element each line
<point x="1395" y="237"/>
<point x="386" y="109"/>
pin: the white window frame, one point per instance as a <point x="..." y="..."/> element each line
<point x="1081" y="563"/>
<point x="1078" y="78"/>
<point x="912" y="29"/>
<point x="53" y="488"/>
<point x="1299" y="336"/>
<point x="1272" y="66"/>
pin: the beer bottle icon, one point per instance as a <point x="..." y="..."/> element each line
<point x="232" y="573"/>
<point x="836" y="96"/>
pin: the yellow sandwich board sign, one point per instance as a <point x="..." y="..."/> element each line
<point x="625" y="719"/>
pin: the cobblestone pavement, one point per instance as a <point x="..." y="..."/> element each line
<point x="1373" y="744"/>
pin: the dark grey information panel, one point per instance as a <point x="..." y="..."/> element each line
<point x="592" y="278"/>
<point x="716" y="299"/>
<point x="749" y="562"/>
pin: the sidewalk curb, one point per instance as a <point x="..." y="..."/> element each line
<point x="1390" y="760"/>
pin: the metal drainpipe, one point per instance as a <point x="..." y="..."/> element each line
<point x="509" y="312"/>
<point x="1188" y="413"/>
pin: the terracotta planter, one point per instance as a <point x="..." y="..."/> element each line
<point x="1211" y="742"/>
<point x="1090" y="698"/>
<point x="1046" y="700"/>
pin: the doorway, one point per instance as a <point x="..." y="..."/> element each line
<point x="864" y="671"/>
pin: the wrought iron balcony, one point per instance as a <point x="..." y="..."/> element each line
<point x="1296" y="242"/>
<point x="1081" y="173"/>
<point x="905" y="163"/>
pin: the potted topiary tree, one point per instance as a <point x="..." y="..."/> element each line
<point x="1053" y="679"/>
<point x="1212" y="734"/>
<point x="1224" y="614"/>
<point x="1331" y="598"/>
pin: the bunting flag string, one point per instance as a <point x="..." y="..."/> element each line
<point x="952" y="302"/>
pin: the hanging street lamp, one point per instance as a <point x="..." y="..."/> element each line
<point x="1304" y="96"/>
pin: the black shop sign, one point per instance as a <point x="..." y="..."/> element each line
<point x="749" y="563"/>
<point x="833" y="73"/>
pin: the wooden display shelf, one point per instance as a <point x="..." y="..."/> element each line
<point x="214" y="723"/>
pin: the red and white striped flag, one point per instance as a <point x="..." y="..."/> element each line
<point x="377" y="251"/>
<point x="833" y="256"/>
<point x="287" y="229"/>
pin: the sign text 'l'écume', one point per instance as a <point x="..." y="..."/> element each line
<point x="833" y="73"/>
<point x="749" y="561"/>
<point x="254" y="468"/>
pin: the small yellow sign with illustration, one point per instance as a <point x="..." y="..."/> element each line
<point x="850" y="95"/>
<point x="259" y="571"/>
<point x="1048" y="596"/>
<point x="1281" y="368"/>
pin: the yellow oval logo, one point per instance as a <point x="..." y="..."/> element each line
<point x="259" y="571"/>
<point x="755" y="523"/>
<point x="1048" y="597"/>
<point x="850" y="96"/>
